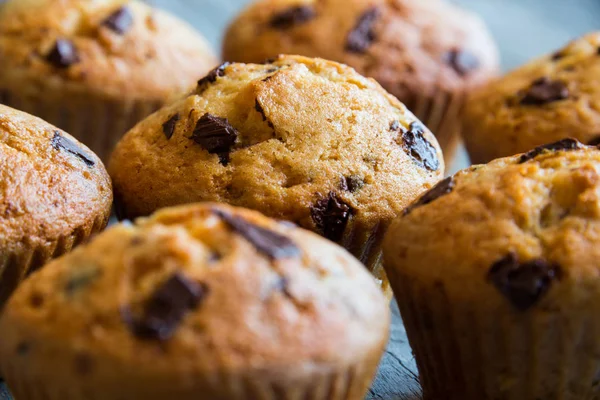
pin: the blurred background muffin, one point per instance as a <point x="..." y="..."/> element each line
<point x="426" y="53"/>
<point x="54" y="194"/>
<point x="199" y="302"/>
<point x="305" y="140"/>
<point x="95" y="68"/>
<point x="545" y="100"/>
<point x="495" y="271"/>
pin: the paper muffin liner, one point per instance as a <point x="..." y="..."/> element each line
<point x="441" y="113"/>
<point x="466" y="351"/>
<point x="98" y="122"/>
<point x="351" y="383"/>
<point x="365" y="243"/>
<point x="15" y="266"/>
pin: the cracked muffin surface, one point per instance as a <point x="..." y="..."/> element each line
<point x="54" y="193"/>
<point x="201" y="300"/>
<point x="508" y="252"/>
<point x="426" y="53"/>
<point x="305" y="140"/>
<point x="545" y="100"/>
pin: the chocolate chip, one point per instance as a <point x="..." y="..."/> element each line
<point x="351" y="183"/>
<point x="462" y="61"/>
<point x="523" y="284"/>
<point x="595" y="141"/>
<point x="331" y="215"/>
<point x="63" y="54"/>
<point x="268" y="242"/>
<point x="557" y="56"/>
<point x="212" y="76"/>
<point x="216" y="135"/>
<point x="292" y="16"/>
<point x="440" y="189"/>
<point x="119" y="21"/>
<point x="362" y="35"/>
<point x="395" y="125"/>
<point x="416" y="146"/>
<point x="543" y="91"/>
<point x="59" y="142"/>
<point x="166" y="308"/>
<point x="565" y="144"/>
<point x="169" y="126"/>
<point x="259" y="108"/>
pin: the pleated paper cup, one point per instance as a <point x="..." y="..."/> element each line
<point x="475" y="349"/>
<point x="96" y="121"/>
<point x="16" y="264"/>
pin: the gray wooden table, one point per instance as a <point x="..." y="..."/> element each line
<point x="523" y="28"/>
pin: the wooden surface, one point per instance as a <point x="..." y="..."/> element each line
<point x="524" y="29"/>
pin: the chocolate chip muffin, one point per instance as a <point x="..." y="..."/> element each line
<point x="54" y="193"/>
<point x="305" y="140"/>
<point x="95" y="68"/>
<point x="197" y="302"/>
<point x="496" y="274"/>
<point x="426" y="53"/>
<point x="541" y="102"/>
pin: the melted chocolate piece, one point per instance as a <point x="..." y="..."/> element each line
<point x="564" y="144"/>
<point x="523" y="284"/>
<point x="59" y="142"/>
<point x="420" y="150"/>
<point x="331" y="215"/>
<point x="270" y="243"/>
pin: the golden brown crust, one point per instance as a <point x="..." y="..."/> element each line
<point x="410" y="52"/>
<point x="291" y="321"/>
<point x="155" y="57"/>
<point x="305" y="127"/>
<point x="501" y="121"/>
<point x="46" y="190"/>
<point x="545" y="208"/>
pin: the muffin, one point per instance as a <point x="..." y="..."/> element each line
<point x="54" y="193"/>
<point x="95" y="68"/>
<point x="496" y="274"/>
<point x="426" y="53"/>
<point x="546" y="100"/>
<point x="197" y="302"/>
<point x="304" y="140"/>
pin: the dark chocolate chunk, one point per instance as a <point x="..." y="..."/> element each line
<point x="59" y="142"/>
<point x="565" y="144"/>
<point x="440" y="189"/>
<point x="543" y="91"/>
<point x="523" y="284"/>
<point x="395" y="125"/>
<point x="462" y="61"/>
<point x="595" y="141"/>
<point x="331" y="215"/>
<point x="216" y="135"/>
<point x="351" y="183"/>
<point x="557" y="56"/>
<point x="169" y="126"/>
<point x="119" y="21"/>
<point x="166" y="308"/>
<point x="292" y="16"/>
<point x="362" y="35"/>
<point x="268" y="242"/>
<point x="63" y="54"/>
<point x="421" y="151"/>
<point x="212" y="76"/>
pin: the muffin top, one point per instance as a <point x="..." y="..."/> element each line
<point x="306" y="140"/>
<point x="411" y="47"/>
<point x="519" y="232"/>
<point x="543" y="101"/>
<point x="116" y="47"/>
<point x="193" y="293"/>
<point x="50" y="184"/>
